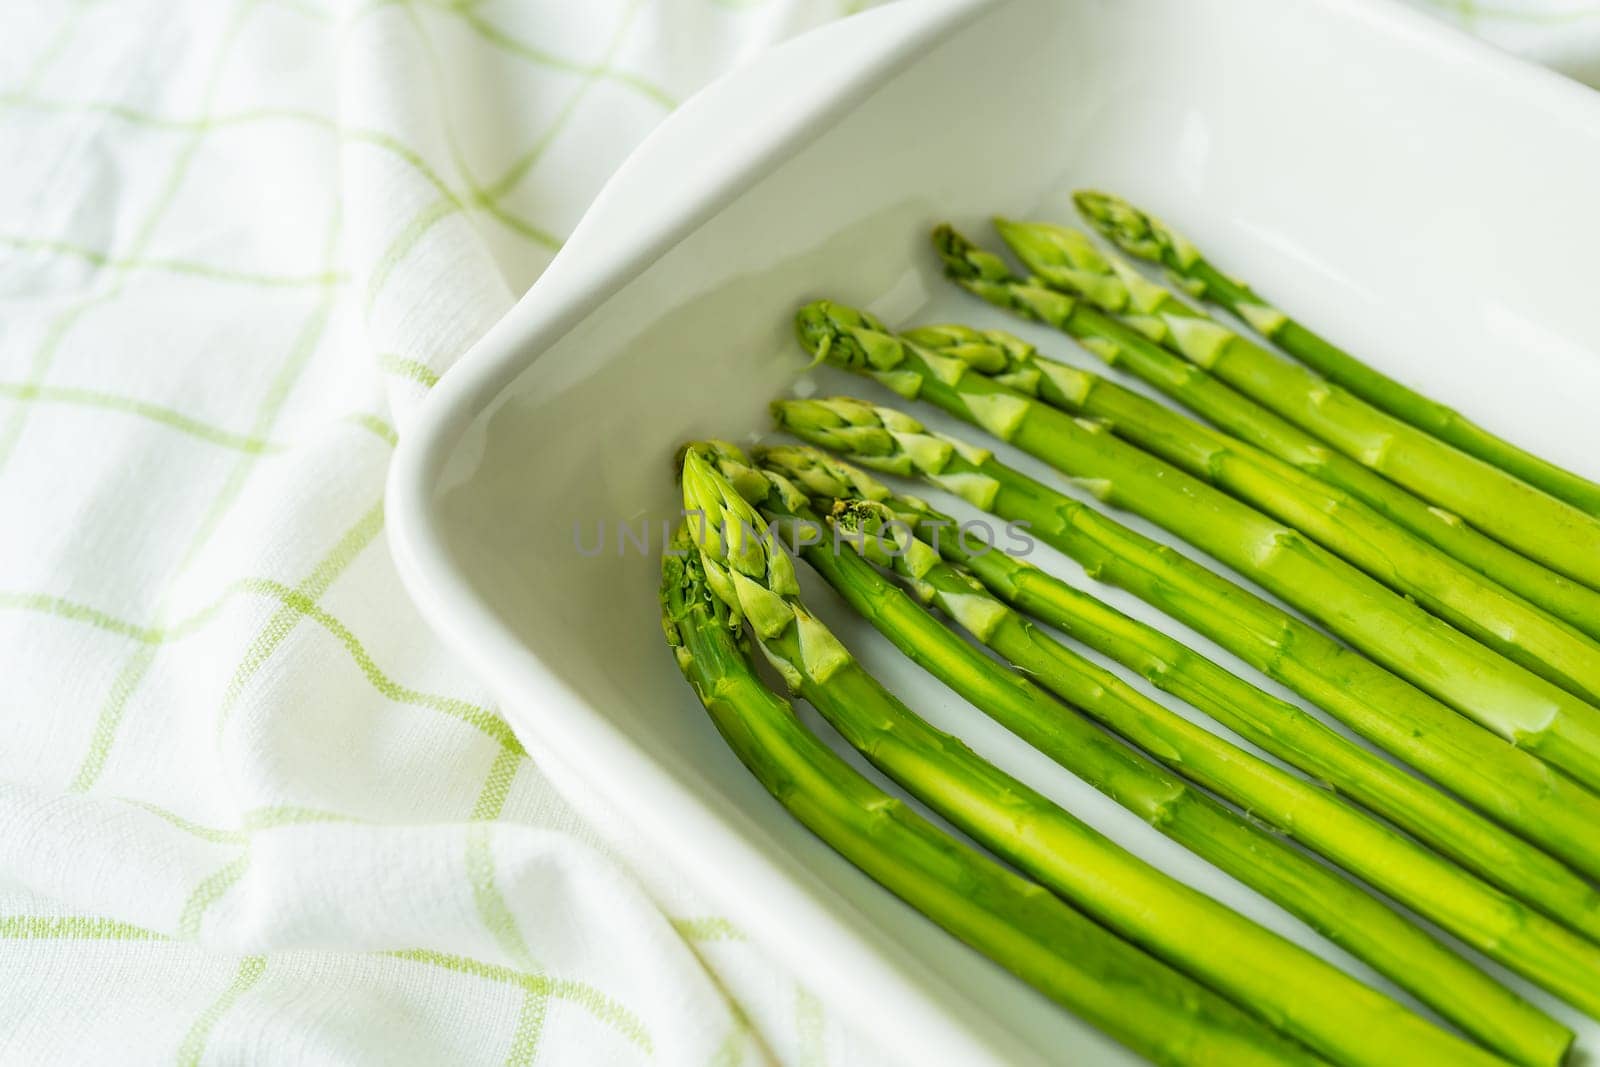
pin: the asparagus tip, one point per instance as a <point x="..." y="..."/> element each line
<point x="847" y="337"/>
<point x="817" y="473"/>
<point x="812" y="330"/>
<point x="1001" y="223"/>
<point x="962" y="259"/>
<point x="1093" y="204"/>
<point x="1135" y="232"/>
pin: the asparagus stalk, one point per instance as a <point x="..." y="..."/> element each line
<point x="1506" y="783"/>
<point x="1333" y="518"/>
<point x="1065" y="260"/>
<point x="1276" y="726"/>
<point x="1151" y="1008"/>
<point x="1297" y="992"/>
<point x="1521" y="707"/>
<point x="1536" y="507"/>
<point x="1502" y="928"/>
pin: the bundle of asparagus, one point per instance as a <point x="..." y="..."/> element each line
<point x="1333" y="906"/>
<point x="1527" y="710"/>
<point x="1297" y="992"/>
<point x="1276" y="726"/>
<point x="1335" y="519"/>
<point x="1116" y="317"/>
<point x="1462" y="570"/>
<point x="1135" y="998"/>
<point x="1506" y="783"/>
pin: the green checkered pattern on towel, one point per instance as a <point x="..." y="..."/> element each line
<point x="249" y="807"/>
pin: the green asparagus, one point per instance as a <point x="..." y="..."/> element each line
<point x="1333" y="518"/>
<point x="1521" y="707"/>
<point x="1276" y="726"/>
<point x="1505" y="783"/>
<point x="1547" y="513"/>
<point x="1297" y="992"/>
<point x="1066" y="260"/>
<point x="1154" y="1010"/>
<point x="1502" y="928"/>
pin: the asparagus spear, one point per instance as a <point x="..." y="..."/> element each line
<point x="1521" y="707"/>
<point x="1297" y="992"/>
<point x="1505" y="783"/>
<point x="1552" y="516"/>
<point x="1276" y="726"/>
<point x="1335" y="519"/>
<point x="1067" y="261"/>
<point x="1502" y="928"/>
<point x="1151" y="1008"/>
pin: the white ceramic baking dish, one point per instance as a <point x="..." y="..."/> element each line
<point x="1423" y="198"/>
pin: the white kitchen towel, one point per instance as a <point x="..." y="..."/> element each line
<point x="250" y="810"/>
<point x="1562" y="34"/>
